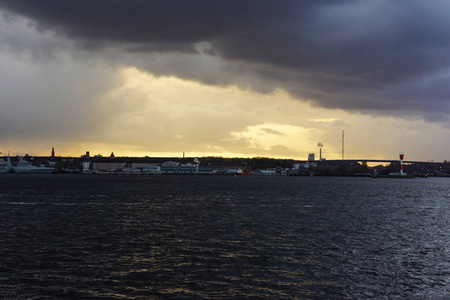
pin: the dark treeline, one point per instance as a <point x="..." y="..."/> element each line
<point x="253" y="163"/>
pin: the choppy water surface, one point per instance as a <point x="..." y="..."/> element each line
<point x="216" y="237"/>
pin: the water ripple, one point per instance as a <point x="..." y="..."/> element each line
<point x="200" y="237"/>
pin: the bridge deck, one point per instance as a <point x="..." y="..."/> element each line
<point x="378" y="160"/>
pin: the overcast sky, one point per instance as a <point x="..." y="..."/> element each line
<point x="229" y="78"/>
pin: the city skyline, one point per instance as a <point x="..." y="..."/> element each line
<point x="229" y="78"/>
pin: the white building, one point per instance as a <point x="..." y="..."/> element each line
<point x="170" y="164"/>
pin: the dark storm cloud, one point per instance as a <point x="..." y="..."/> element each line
<point x="365" y="55"/>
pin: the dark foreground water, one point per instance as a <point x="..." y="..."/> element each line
<point x="218" y="237"/>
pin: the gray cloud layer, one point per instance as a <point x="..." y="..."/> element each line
<point x="375" y="56"/>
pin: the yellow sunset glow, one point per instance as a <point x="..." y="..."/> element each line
<point x="145" y="115"/>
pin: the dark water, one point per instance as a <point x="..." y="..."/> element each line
<point x="216" y="237"/>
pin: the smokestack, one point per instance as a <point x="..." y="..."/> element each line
<point x="320" y="145"/>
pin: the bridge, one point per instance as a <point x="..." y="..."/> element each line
<point x="375" y="161"/>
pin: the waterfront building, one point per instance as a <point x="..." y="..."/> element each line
<point x="338" y="168"/>
<point x="108" y="165"/>
<point x="169" y="164"/>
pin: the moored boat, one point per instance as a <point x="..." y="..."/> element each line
<point x="5" y="165"/>
<point x="24" y="167"/>
<point x="394" y="175"/>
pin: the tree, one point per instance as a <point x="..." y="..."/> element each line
<point x="59" y="166"/>
<point x="364" y="167"/>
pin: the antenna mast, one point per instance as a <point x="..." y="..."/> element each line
<point x="343" y="144"/>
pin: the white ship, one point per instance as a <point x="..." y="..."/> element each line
<point x="23" y="167"/>
<point x="5" y="165"/>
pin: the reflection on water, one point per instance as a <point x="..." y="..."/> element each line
<point x="215" y="237"/>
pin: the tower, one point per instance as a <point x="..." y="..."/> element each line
<point x="401" y="163"/>
<point x="53" y="151"/>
